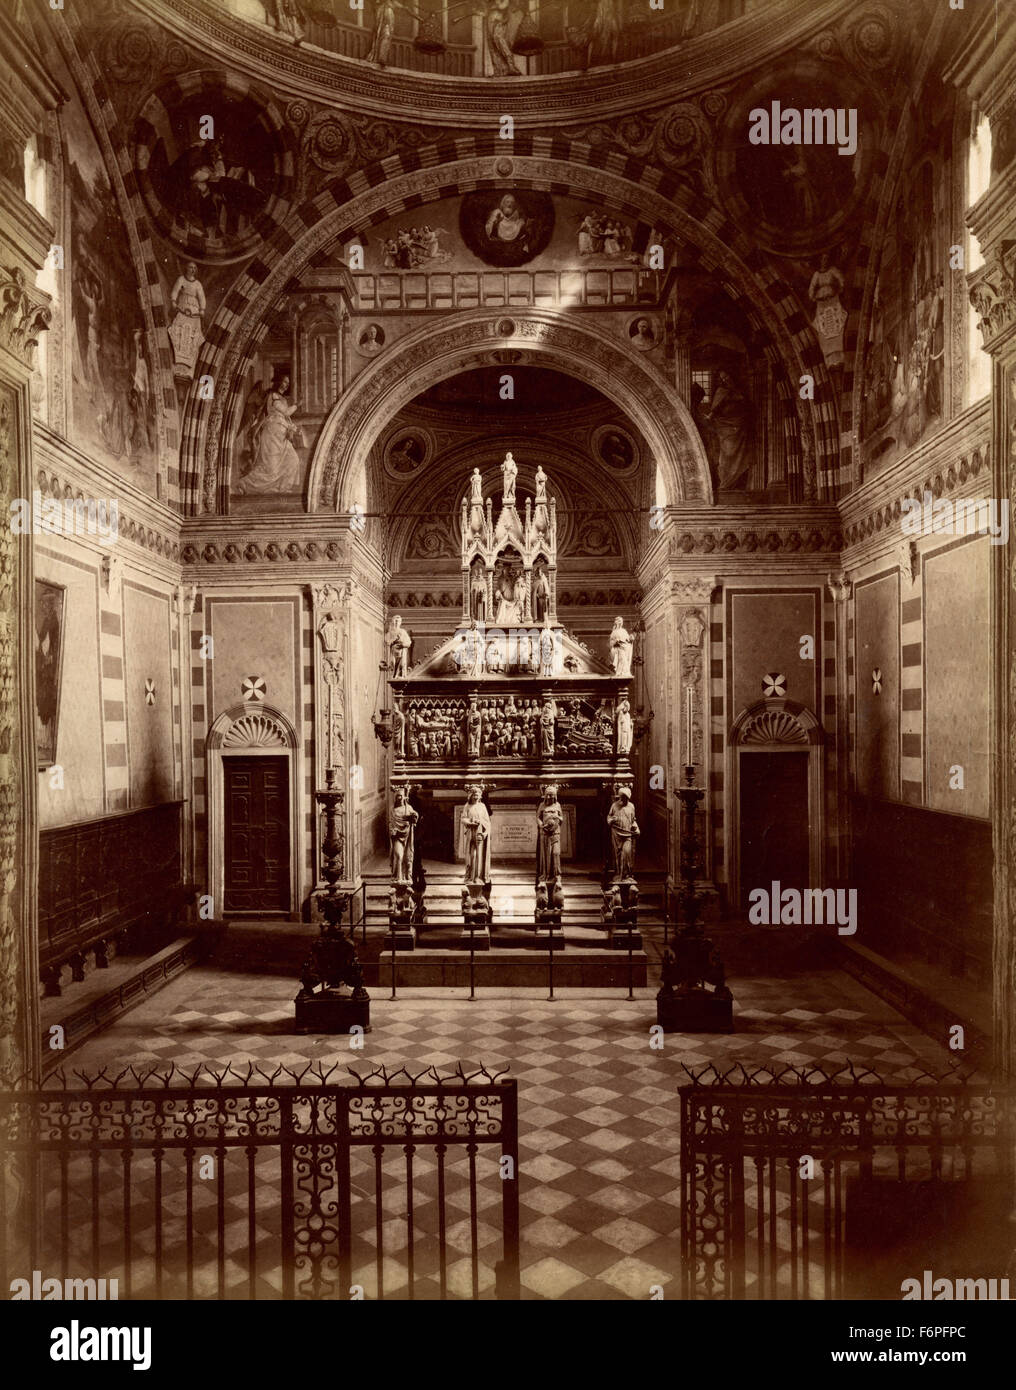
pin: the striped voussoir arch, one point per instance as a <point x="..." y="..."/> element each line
<point x="88" y="73"/>
<point x="713" y="241"/>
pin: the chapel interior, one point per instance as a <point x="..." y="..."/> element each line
<point x="441" y="438"/>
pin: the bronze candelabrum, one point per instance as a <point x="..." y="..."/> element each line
<point x="332" y="965"/>
<point x="693" y="995"/>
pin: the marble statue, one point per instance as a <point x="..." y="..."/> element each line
<point x="474" y="725"/>
<point x="478" y="597"/>
<point x="625" y="727"/>
<point x="401" y="830"/>
<point x="541" y="597"/>
<point x="476" y="502"/>
<point x="541" y="516"/>
<point x="476" y="838"/>
<point x="509" y="472"/>
<point x="399" y="731"/>
<point x="621" y="648"/>
<point x="399" y="641"/>
<point x="547" y="717"/>
<point x="624" y="831"/>
<point x="549" y="818"/>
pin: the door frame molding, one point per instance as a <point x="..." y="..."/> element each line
<point x="249" y="730"/>
<point x="774" y="726"/>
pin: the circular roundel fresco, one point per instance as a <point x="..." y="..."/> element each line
<point x="506" y="227"/>
<point x="212" y="165"/>
<point x="615" y="447"/>
<point x="794" y="159"/>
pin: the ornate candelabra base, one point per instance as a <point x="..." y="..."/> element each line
<point x="693" y="995"/>
<point x="332" y="996"/>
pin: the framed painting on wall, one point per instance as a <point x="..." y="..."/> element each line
<point x="49" y="643"/>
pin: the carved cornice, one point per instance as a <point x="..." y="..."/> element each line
<point x="948" y="464"/>
<point x="131" y="526"/>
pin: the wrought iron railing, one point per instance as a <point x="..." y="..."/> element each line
<point x="262" y="1184"/>
<point x="805" y="1184"/>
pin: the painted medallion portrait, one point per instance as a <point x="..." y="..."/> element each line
<point x="509" y="228"/>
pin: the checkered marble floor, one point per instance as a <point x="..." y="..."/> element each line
<point x="599" y="1109"/>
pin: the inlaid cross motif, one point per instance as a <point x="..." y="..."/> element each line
<point x="254" y="688"/>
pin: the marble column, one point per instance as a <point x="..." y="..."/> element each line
<point x="841" y="589"/>
<point x="330" y="605"/>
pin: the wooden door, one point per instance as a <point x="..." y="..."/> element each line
<point x="257" y="834"/>
<point x="774" y="821"/>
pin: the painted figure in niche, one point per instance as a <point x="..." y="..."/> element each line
<point x="276" y="466"/>
<point x="476" y="838"/>
<point x="496" y="23"/>
<point x="139" y="400"/>
<point x="830" y="316"/>
<point x="729" y="415"/>
<point x="624" y="831"/>
<point x="625" y="727"/>
<point x="185" y="332"/>
<point x="599" y="36"/>
<point x="287" y="17"/>
<point x="384" y="27"/>
<point x="509" y="472"/>
<point x="399" y="641"/>
<point x="622" y="645"/>
<point x="402" y="834"/>
<point x="91" y="292"/>
<point x="549" y="819"/>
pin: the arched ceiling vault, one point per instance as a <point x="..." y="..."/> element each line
<point x="383" y="190"/>
<point x="456" y="343"/>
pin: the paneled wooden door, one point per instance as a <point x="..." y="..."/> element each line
<point x="257" y="834"/>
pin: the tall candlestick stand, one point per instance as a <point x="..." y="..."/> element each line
<point x="332" y="996"/>
<point x="693" y="995"/>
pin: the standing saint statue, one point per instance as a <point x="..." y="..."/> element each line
<point x="398" y="641"/>
<point x="541" y="516"/>
<point x="476" y="502"/>
<point x="625" y="727"/>
<point x="401" y="831"/>
<point x="384" y="27"/>
<point x="478" y="596"/>
<point x="476" y="838"/>
<point x="541" y="597"/>
<point x="474" y="725"/>
<point x="547" y="717"/>
<point x="624" y="831"/>
<point x="621" y="648"/>
<point x="399" y="731"/>
<point x="509" y="472"/>
<point x="549" y="818"/>
<point x="496" y="24"/>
